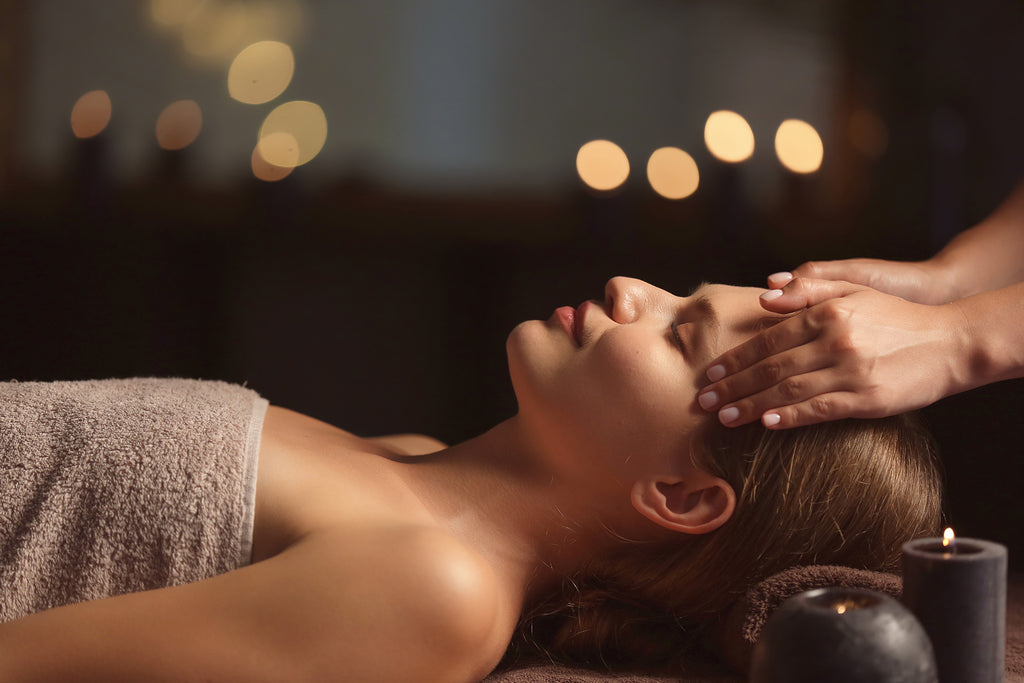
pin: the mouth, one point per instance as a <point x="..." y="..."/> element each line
<point x="573" y="320"/>
<point x="567" y="318"/>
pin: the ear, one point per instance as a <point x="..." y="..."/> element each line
<point x="696" y="505"/>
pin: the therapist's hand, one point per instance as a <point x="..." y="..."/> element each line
<point x="923" y="282"/>
<point x="846" y="351"/>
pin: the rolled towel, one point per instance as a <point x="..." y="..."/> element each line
<point x="738" y="632"/>
<point x="116" y="486"/>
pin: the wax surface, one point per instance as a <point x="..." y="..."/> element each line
<point x="959" y="595"/>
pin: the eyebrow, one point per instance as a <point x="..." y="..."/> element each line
<point x="711" y="328"/>
<point x="708" y="315"/>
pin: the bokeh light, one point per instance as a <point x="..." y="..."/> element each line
<point x="216" y="31"/>
<point x="173" y="13"/>
<point x="602" y="165"/>
<point x="266" y="171"/>
<point x="672" y="173"/>
<point x="261" y="72"/>
<point x="728" y="136"/>
<point x="213" y="32"/>
<point x="179" y="124"/>
<point x="798" y="146"/>
<point x="304" y="122"/>
<point x="281" y="147"/>
<point x="91" y="114"/>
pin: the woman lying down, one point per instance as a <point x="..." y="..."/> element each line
<point x="177" y="530"/>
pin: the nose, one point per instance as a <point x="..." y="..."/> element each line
<point x="625" y="298"/>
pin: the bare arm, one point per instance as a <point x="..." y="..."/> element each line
<point x="335" y="607"/>
<point x="989" y="255"/>
<point x="870" y="355"/>
<point x="858" y="352"/>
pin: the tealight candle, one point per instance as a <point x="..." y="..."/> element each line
<point x="957" y="589"/>
<point x="842" y="635"/>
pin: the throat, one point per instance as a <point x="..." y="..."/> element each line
<point x="493" y="495"/>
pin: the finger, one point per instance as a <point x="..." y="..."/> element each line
<point x="784" y="336"/>
<point x="778" y="380"/>
<point x="805" y="292"/>
<point x="821" y="408"/>
<point x="779" y="280"/>
<point x="791" y="390"/>
<point x="851" y="270"/>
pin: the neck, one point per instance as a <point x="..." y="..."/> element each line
<point x="495" y="493"/>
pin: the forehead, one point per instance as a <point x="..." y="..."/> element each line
<point x="720" y="291"/>
<point x="728" y="303"/>
<point x="736" y="312"/>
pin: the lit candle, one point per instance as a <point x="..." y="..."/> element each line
<point x="957" y="589"/>
<point x="842" y="635"/>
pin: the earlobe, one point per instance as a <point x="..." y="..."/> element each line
<point x="687" y="506"/>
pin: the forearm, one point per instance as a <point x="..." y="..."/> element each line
<point x="992" y="336"/>
<point x="989" y="255"/>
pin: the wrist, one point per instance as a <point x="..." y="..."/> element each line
<point x="947" y="282"/>
<point x="987" y="338"/>
<point x="969" y="361"/>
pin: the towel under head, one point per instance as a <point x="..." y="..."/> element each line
<point x="116" y="486"/>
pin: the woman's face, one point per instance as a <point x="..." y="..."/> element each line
<point x="617" y="380"/>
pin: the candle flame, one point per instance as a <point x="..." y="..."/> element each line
<point x="841" y="609"/>
<point x="947" y="536"/>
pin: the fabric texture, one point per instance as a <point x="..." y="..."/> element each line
<point x="742" y="627"/>
<point x="116" y="486"/>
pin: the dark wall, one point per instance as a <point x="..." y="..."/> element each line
<point x="382" y="311"/>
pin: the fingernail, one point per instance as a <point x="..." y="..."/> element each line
<point x="782" y="277"/>
<point x="771" y="294"/>
<point x="730" y="414"/>
<point x="771" y="419"/>
<point x="716" y="372"/>
<point x="708" y="401"/>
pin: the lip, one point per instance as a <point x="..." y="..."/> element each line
<point x="566" y="316"/>
<point x="574" y="320"/>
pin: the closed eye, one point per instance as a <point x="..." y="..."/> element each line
<point x="674" y="327"/>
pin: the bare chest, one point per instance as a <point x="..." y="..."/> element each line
<point x="313" y="477"/>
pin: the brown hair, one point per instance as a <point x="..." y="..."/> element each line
<point x="846" y="493"/>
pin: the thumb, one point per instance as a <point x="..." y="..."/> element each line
<point x="802" y="292"/>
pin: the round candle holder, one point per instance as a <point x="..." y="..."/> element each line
<point x="958" y="592"/>
<point x="843" y="635"/>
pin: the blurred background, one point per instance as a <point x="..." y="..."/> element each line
<point x="348" y="205"/>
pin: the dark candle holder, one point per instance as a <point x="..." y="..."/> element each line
<point x="843" y="635"/>
<point x="958" y="592"/>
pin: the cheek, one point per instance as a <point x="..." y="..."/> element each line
<point x="654" y="387"/>
<point x="536" y="359"/>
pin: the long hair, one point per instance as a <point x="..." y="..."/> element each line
<point x="847" y="493"/>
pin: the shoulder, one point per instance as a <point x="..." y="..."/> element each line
<point x="434" y="577"/>
<point x="422" y="589"/>
<point x="464" y="587"/>
<point x="414" y="605"/>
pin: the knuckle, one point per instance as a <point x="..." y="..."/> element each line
<point x="832" y="311"/>
<point x="763" y="344"/>
<point x="844" y="344"/>
<point x="798" y="285"/>
<point x="769" y="373"/>
<point x="820" y="407"/>
<point x="791" y="389"/>
<point x="810" y="269"/>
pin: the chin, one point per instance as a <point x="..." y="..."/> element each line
<point x="516" y="346"/>
<point x="529" y="352"/>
